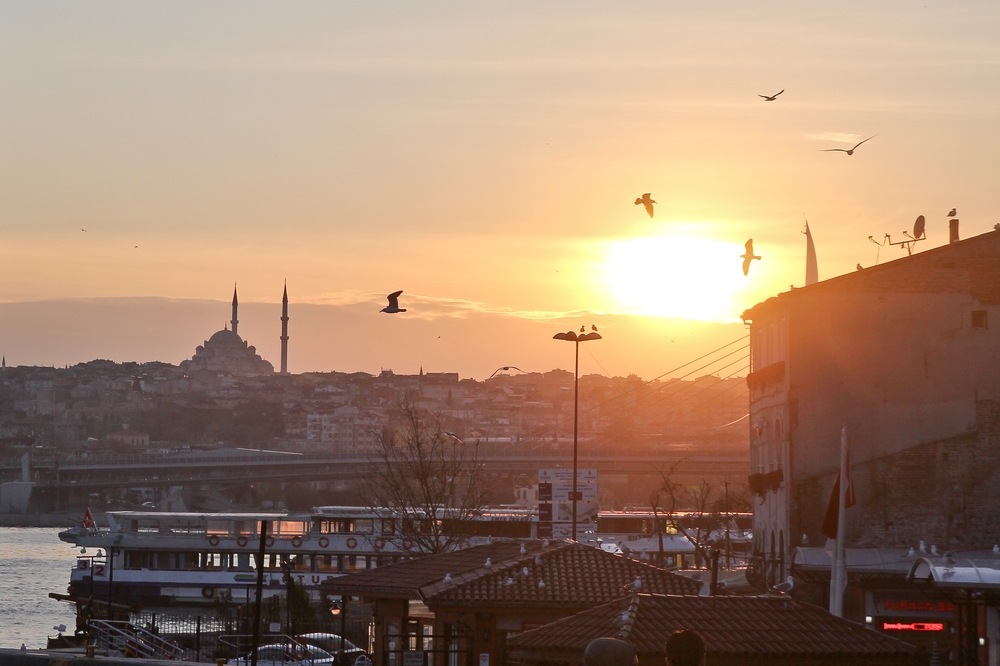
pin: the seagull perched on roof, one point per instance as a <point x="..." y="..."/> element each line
<point x="646" y="201"/>
<point x="953" y="212"/>
<point x="393" y="306"/>
<point x="787" y="586"/>
<point x="748" y="257"/>
<point x="771" y="98"/>
<point x="849" y="151"/>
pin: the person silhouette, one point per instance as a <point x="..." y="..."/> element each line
<point x="610" y="652"/>
<point x="685" y="648"/>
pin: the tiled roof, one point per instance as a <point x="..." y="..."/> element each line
<point x="406" y="578"/>
<point x="730" y="626"/>
<point x="563" y="573"/>
<point x="970" y="266"/>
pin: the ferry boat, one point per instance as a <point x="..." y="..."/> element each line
<point x="648" y="535"/>
<point x="158" y="559"/>
<point x="153" y="558"/>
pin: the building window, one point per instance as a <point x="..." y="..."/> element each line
<point x="979" y="319"/>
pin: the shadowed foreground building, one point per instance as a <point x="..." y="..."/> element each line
<point x="463" y="605"/>
<point x="907" y="356"/>
<point x="738" y="631"/>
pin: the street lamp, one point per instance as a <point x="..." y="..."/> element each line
<point x="571" y="336"/>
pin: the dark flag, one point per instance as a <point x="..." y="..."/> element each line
<point x="832" y="515"/>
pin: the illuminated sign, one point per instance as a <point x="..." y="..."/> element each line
<point x="932" y="606"/>
<point x="913" y="626"/>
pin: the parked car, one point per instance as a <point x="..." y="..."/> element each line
<point x="332" y="643"/>
<point x="292" y="653"/>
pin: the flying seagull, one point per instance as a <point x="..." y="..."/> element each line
<point x="953" y="212"/>
<point x="393" y="307"/>
<point x="748" y="257"/>
<point x="849" y="152"/>
<point x="83" y="230"/>
<point x="646" y="201"/>
<point x="771" y="98"/>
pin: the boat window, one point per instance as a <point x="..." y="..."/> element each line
<point x="136" y="559"/>
<point x="218" y="527"/>
<point x="355" y="562"/>
<point x="300" y="562"/>
<point x="212" y="560"/>
<point x="147" y="526"/>
<point x="388" y="526"/>
<point x="291" y="527"/>
<point x="364" y="525"/>
<point x="326" y="562"/>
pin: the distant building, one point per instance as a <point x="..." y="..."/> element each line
<point x="227" y="353"/>
<point x="130" y="438"/>
<point x="906" y="355"/>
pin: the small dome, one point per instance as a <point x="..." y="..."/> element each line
<point x="65" y="373"/>
<point x="226" y="336"/>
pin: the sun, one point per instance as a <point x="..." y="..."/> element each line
<point x="676" y="275"/>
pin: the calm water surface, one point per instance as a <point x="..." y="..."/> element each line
<point x="33" y="562"/>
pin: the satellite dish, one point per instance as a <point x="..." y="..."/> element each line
<point x="918" y="227"/>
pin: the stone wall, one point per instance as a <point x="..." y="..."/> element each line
<point x="946" y="493"/>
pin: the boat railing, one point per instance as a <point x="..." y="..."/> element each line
<point x="130" y="640"/>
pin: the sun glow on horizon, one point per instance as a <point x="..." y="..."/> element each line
<point x="676" y="275"/>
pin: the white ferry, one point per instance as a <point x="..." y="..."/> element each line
<point x="153" y="558"/>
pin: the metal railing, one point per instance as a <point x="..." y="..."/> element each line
<point x="125" y="638"/>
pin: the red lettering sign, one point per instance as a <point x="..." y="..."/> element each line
<point x="913" y="626"/>
<point x="931" y="606"/>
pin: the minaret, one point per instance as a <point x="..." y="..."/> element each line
<point x="236" y="304"/>
<point x="812" y="269"/>
<point x="284" y="332"/>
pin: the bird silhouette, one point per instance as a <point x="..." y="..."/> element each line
<point x="646" y="201"/>
<point x="953" y="212"/>
<point x="135" y="247"/>
<point x="583" y="329"/>
<point x="771" y="98"/>
<point x="860" y="267"/>
<point x="593" y="327"/>
<point x="850" y="151"/>
<point x="748" y="257"/>
<point x="393" y="307"/>
<point x="83" y="230"/>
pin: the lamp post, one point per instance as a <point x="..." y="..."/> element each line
<point x="571" y="336"/>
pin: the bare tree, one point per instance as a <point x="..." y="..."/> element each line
<point x="691" y="510"/>
<point x="430" y="481"/>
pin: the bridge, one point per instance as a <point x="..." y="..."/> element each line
<point x="231" y="467"/>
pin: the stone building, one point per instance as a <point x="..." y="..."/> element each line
<point x="906" y="355"/>
<point x="226" y="353"/>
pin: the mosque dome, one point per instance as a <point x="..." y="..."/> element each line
<point x="65" y="373"/>
<point x="226" y="337"/>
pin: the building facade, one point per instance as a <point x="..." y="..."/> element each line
<point x="906" y="356"/>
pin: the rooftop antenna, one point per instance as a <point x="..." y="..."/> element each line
<point x="919" y="234"/>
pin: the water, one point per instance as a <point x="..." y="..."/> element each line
<point x="33" y="562"/>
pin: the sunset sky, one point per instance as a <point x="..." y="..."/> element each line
<point x="483" y="157"/>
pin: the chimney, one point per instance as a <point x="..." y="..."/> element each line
<point x="953" y="230"/>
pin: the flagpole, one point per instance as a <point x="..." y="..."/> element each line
<point x="840" y="573"/>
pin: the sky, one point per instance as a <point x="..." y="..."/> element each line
<point x="482" y="157"/>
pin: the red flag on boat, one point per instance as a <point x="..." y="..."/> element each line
<point x="832" y="515"/>
<point x="88" y="519"/>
